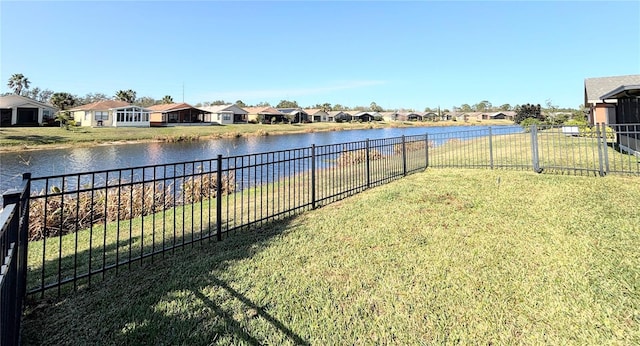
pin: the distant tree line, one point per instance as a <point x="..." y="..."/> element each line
<point x="21" y="85"/>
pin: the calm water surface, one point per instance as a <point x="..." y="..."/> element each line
<point x="101" y="157"/>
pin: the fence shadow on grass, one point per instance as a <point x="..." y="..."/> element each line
<point x="146" y="305"/>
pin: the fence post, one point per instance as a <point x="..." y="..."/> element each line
<point x="23" y="237"/>
<point x="404" y="157"/>
<point x="534" y="149"/>
<point x="17" y="270"/>
<point x="219" y="199"/>
<point x="313" y="176"/>
<point x="426" y="150"/>
<point x="490" y="149"/>
<point x="605" y="148"/>
<point x="368" y="165"/>
<point x="600" y="148"/>
<point x="13" y="197"/>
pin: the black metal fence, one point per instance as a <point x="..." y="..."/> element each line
<point x="81" y="226"/>
<point x="85" y="225"/>
<point x="14" y="217"/>
<point x="584" y="150"/>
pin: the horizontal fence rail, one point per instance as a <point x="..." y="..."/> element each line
<point x="83" y="226"/>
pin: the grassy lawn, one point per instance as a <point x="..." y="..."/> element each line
<point x="20" y="138"/>
<point x="444" y="256"/>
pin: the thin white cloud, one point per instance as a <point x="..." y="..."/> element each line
<point x="290" y="92"/>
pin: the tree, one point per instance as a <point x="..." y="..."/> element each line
<point x="64" y="119"/>
<point x="482" y="106"/>
<point x="375" y="108"/>
<point x="62" y="100"/>
<point x="551" y="113"/>
<point x="505" y="107"/>
<point x="167" y="99"/>
<point x="128" y="96"/>
<point x="218" y="103"/>
<point x="465" y="108"/>
<point x="528" y="111"/>
<point x="38" y="94"/>
<point x="146" y="101"/>
<point x="240" y="104"/>
<point x="92" y="97"/>
<point x="263" y="104"/>
<point x="17" y="82"/>
<point x="287" y="104"/>
<point x="325" y="107"/>
<point x="337" y="107"/>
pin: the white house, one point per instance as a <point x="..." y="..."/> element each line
<point x="110" y="113"/>
<point x="226" y="114"/>
<point x="21" y="110"/>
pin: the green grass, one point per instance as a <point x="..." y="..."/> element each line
<point x="19" y="138"/>
<point x="445" y="256"/>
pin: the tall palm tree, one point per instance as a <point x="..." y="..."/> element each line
<point x="17" y="82"/>
<point x="62" y="100"/>
<point x="167" y="99"/>
<point x="126" y="95"/>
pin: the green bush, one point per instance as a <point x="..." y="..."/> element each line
<point x="526" y="123"/>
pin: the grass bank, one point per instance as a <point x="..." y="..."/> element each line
<point x="26" y="138"/>
<point x="445" y="256"/>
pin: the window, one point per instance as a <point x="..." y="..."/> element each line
<point x="226" y="117"/>
<point x="100" y="116"/>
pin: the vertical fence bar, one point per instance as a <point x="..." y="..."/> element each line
<point x="23" y="237"/>
<point x="367" y="149"/>
<point x="313" y="176"/>
<point x="219" y="199"/>
<point x="490" y="148"/>
<point x="534" y="149"/>
<point x="605" y="148"/>
<point x="599" y="141"/>
<point x="426" y="150"/>
<point x="404" y="156"/>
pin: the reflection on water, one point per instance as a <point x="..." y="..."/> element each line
<point x="102" y="157"/>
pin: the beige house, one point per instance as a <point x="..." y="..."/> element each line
<point x="594" y="88"/>
<point x="111" y="113"/>
<point x="265" y="115"/>
<point x="19" y="110"/>
<point x="172" y="114"/>
<point x="226" y="114"/>
<point x="339" y="116"/>
<point x="317" y="115"/>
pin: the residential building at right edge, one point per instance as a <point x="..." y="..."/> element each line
<point x="604" y="110"/>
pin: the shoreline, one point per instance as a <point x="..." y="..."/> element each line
<point x="228" y="134"/>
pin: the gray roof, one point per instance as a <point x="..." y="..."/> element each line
<point x="622" y="91"/>
<point x="594" y="88"/>
<point x="224" y="108"/>
<point x="13" y="100"/>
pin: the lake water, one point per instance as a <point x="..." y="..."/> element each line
<point x="102" y="157"/>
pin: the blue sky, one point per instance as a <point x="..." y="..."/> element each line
<point x="397" y="54"/>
